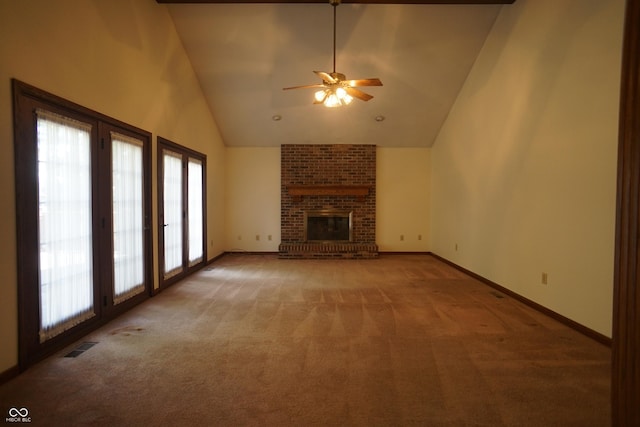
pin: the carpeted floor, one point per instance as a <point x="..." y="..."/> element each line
<point x="404" y="340"/>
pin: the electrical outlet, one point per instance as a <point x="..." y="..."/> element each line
<point x="269" y="237"/>
<point x="545" y="278"/>
<point x="456" y="247"/>
<point x="239" y="237"/>
<point x="257" y="237"/>
<point x="419" y="236"/>
<point x="402" y="237"/>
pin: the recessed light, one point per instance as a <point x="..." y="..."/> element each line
<point x="380" y="118"/>
<point x="276" y="117"/>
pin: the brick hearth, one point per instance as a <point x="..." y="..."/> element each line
<point x="317" y="177"/>
<point x="328" y="250"/>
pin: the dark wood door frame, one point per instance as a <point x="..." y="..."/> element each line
<point x="625" y="378"/>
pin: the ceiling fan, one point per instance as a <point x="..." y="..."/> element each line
<point x="336" y="90"/>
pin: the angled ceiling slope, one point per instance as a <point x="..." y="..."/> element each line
<point x="244" y="52"/>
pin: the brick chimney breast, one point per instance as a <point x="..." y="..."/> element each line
<point x="337" y="177"/>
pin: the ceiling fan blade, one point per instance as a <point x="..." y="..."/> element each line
<point x="326" y="77"/>
<point x="364" y="82"/>
<point x="318" y="85"/>
<point x="356" y="93"/>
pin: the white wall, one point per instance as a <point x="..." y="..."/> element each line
<point x="524" y="169"/>
<point x="122" y="58"/>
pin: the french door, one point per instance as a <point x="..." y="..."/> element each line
<point x="181" y="182"/>
<point x="83" y="202"/>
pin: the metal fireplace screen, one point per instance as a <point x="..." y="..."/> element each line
<point x="328" y="226"/>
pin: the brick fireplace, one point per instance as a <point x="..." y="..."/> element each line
<point x="328" y="178"/>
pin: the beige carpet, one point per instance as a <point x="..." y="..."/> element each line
<point x="254" y="340"/>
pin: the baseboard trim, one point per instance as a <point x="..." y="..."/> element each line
<point x="243" y="252"/>
<point x="597" y="336"/>
<point x="216" y="258"/>
<point x="9" y="374"/>
<point x="404" y="253"/>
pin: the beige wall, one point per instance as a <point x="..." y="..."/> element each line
<point x="252" y="204"/>
<point x="403" y="199"/>
<point x="253" y="199"/>
<point x="122" y="58"/>
<point x="524" y="169"/>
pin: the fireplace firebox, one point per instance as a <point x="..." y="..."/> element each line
<point x="328" y="225"/>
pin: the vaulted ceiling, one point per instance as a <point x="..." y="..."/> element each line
<point x="244" y="53"/>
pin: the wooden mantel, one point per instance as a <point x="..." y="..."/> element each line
<point x="299" y="191"/>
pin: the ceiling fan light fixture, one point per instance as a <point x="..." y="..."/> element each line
<point x="333" y="97"/>
<point x="343" y="96"/>
<point x="332" y="101"/>
<point x="320" y="96"/>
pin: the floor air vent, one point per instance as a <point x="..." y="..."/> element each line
<point x="81" y="349"/>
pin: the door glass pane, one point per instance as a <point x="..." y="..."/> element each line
<point x="128" y="220"/>
<point x="196" y="238"/>
<point x="172" y="210"/>
<point x="65" y="223"/>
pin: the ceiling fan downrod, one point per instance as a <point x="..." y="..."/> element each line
<point x="335" y="4"/>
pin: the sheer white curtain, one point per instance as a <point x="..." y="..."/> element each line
<point x="172" y="210"/>
<point x="65" y="223"/>
<point x="196" y="197"/>
<point x="128" y="220"/>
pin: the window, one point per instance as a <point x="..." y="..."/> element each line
<point x="83" y="214"/>
<point x="195" y="203"/>
<point x="128" y="218"/>
<point x="65" y="232"/>
<point x="181" y="208"/>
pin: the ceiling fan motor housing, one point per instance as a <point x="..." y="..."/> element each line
<point x="337" y="76"/>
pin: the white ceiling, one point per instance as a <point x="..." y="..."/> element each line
<point x="244" y="54"/>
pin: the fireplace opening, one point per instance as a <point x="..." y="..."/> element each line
<point x="328" y="226"/>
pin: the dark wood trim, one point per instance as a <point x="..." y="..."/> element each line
<point x="405" y="253"/>
<point x="9" y="374"/>
<point x="247" y="253"/>
<point x="186" y="153"/>
<point x="217" y="257"/>
<point x="207" y="264"/>
<point x="625" y="375"/>
<point x="345" y="1"/>
<point x="26" y="99"/>
<point x="602" y="339"/>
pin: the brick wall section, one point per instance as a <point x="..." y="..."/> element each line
<point x="328" y="164"/>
